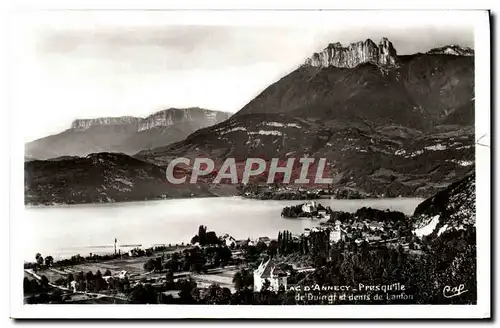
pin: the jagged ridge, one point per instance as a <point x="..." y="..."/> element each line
<point x="125" y="134"/>
<point x="453" y="50"/>
<point x="357" y="53"/>
<point x="165" y="118"/>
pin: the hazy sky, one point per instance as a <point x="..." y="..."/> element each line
<point x="94" y="70"/>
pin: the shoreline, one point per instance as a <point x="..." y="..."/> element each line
<point x="103" y="248"/>
<point x="65" y="205"/>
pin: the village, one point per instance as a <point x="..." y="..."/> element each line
<point x="298" y="192"/>
<point x="214" y="265"/>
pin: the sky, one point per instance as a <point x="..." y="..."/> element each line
<point x="87" y="67"/>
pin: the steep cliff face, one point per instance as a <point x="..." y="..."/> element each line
<point x="422" y="91"/>
<point x="172" y="116"/>
<point x="162" y="118"/>
<point x="84" y="124"/>
<point x="355" y="54"/>
<point x="387" y="53"/>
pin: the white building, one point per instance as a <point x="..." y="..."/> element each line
<point x="73" y="286"/>
<point x="228" y="240"/>
<point x="308" y="208"/>
<point x="122" y="274"/>
<point x="268" y="271"/>
<point x="265" y="240"/>
<point x="336" y="232"/>
<point x="335" y="235"/>
<point x="374" y="226"/>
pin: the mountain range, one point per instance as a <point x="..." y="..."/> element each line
<point x="389" y="125"/>
<point x="124" y="134"/>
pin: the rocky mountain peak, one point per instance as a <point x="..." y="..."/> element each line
<point x="84" y="124"/>
<point x="387" y="53"/>
<point x="165" y="118"/>
<point x="452" y="49"/>
<point x="355" y="54"/>
<point x="171" y="116"/>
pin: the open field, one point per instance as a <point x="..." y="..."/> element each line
<point x="222" y="277"/>
<point x="135" y="271"/>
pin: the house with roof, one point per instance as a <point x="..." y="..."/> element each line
<point x="122" y="274"/>
<point x="265" y="240"/>
<point x="309" y="207"/>
<point x="375" y="225"/>
<point x="228" y="240"/>
<point x="335" y="234"/>
<point x="271" y="272"/>
<point x="73" y="285"/>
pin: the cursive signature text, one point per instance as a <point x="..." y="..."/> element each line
<point x="450" y="292"/>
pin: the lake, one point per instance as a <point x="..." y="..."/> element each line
<point x="62" y="231"/>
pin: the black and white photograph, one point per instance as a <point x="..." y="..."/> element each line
<point x="292" y="160"/>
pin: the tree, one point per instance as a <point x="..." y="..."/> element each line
<point x="265" y="285"/>
<point x="149" y="265"/>
<point x="238" y="281"/>
<point x="195" y="240"/>
<point x="26" y="285"/>
<point x="171" y="265"/>
<point x="212" y="238"/>
<point x="112" y="284"/>
<point x="272" y="249"/>
<point x="261" y="246"/>
<point x="39" y="260"/>
<point x="44" y="282"/>
<point x="80" y="277"/>
<point x="56" y="296"/>
<point x="100" y="283"/>
<point x="107" y="273"/>
<point x="195" y="267"/>
<point x="186" y="289"/>
<point x="139" y="295"/>
<point x="202" y="234"/>
<point x="243" y="279"/>
<point x="218" y="295"/>
<point x="89" y="276"/>
<point x="49" y="260"/>
<point x="169" y="279"/>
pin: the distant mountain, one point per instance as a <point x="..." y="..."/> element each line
<point x="401" y="126"/>
<point x="452" y="49"/>
<point x="365" y="82"/>
<point x="100" y="178"/>
<point x="385" y="161"/>
<point x="123" y="134"/>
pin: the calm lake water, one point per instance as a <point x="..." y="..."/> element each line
<point x="63" y="231"/>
